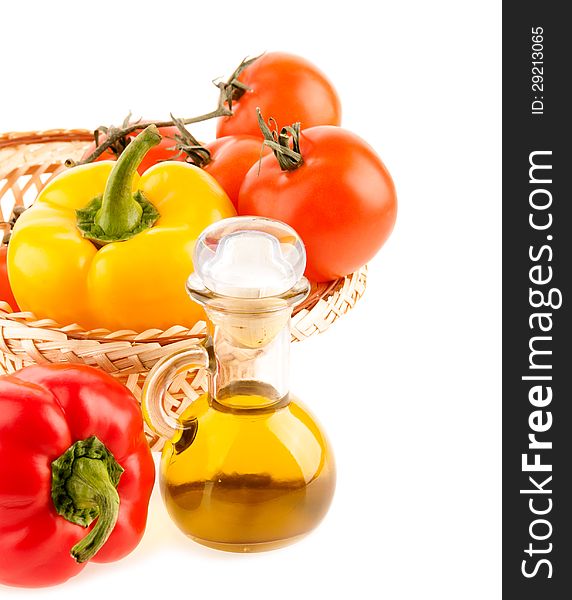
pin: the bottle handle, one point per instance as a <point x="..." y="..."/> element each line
<point x="157" y="383"/>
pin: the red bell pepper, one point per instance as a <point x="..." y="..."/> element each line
<point x="72" y="455"/>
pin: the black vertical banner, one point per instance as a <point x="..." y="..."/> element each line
<point x="537" y="301"/>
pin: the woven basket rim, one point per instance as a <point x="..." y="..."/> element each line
<point x="16" y="138"/>
<point x="173" y="333"/>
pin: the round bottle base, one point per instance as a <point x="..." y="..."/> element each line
<point x="249" y="547"/>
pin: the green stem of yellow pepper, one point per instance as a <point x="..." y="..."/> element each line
<point x="120" y="214"/>
<point x="119" y="211"/>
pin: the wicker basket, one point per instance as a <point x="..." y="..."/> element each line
<point x="27" y="162"/>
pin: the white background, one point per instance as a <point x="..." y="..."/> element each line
<point x="408" y="384"/>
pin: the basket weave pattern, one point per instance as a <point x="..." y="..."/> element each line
<point x="27" y="162"/>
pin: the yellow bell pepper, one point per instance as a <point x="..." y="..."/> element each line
<point x="104" y="247"/>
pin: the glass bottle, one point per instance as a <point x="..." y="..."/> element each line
<point x="246" y="467"/>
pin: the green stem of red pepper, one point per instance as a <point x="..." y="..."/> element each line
<point x="84" y="481"/>
<point x="120" y="214"/>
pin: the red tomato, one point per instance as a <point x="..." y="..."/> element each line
<point x="341" y="200"/>
<point x="231" y="159"/>
<point x="285" y="87"/>
<point x="5" y="289"/>
<point x="156" y="154"/>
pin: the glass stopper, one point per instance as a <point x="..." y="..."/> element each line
<point x="249" y="257"/>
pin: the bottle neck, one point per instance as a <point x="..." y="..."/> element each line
<point x="252" y="354"/>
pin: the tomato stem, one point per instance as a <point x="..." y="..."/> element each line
<point x="285" y="144"/>
<point x="233" y="89"/>
<point x="188" y="144"/>
<point x="116" y="134"/>
<point x="116" y="137"/>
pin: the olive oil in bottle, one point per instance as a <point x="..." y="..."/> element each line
<point x="246" y="467"/>
<point x="253" y="474"/>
